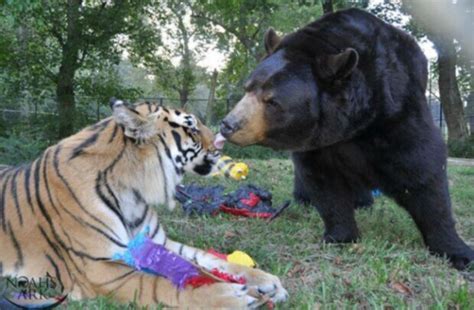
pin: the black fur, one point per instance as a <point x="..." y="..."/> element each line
<point x="204" y="168"/>
<point x="352" y="129"/>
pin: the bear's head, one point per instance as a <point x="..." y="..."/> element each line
<point x="305" y="94"/>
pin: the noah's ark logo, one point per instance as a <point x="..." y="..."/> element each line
<point x="31" y="293"/>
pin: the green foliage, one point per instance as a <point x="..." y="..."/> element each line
<point x="292" y="15"/>
<point x="237" y="27"/>
<point x="99" y="85"/>
<point x="53" y="47"/>
<point x="16" y="149"/>
<point x="463" y="149"/>
<point x="253" y="152"/>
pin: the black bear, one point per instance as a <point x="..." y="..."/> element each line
<point x="346" y="95"/>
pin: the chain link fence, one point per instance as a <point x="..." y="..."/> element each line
<point x="40" y="114"/>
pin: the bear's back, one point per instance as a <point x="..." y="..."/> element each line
<point x="391" y="61"/>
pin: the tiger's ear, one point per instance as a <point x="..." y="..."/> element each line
<point x="135" y="126"/>
<point x="338" y="66"/>
<point x="183" y="119"/>
<point x="271" y="40"/>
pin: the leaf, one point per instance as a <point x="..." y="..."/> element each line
<point x="401" y="288"/>
<point x="229" y="234"/>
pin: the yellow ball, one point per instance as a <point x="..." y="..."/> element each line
<point x="239" y="171"/>
<point x="241" y="258"/>
<point x="231" y="169"/>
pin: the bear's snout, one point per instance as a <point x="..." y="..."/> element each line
<point x="228" y="126"/>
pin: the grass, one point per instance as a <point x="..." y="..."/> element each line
<point x="389" y="268"/>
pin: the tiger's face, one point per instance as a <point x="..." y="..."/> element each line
<point x="188" y="143"/>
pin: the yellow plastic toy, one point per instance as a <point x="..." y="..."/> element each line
<point x="234" y="170"/>
<point x="241" y="258"/>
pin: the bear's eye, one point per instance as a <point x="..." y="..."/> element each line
<point x="272" y="102"/>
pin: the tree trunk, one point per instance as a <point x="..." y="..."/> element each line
<point x="210" y="102"/>
<point x="66" y="102"/>
<point x="470" y="100"/>
<point x="448" y="88"/>
<point x="183" y="97"/>
<point x="67" y="70"/>
<point x="186" y="80"/>
<point x="441" y="28"/>
<point x="328" y="6"/>
<point x="464" y="37"/>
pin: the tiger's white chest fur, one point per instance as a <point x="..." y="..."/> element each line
<point x="154" y="185"/>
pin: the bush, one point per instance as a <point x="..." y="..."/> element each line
<point x="254" y="152"/>
<point x="15" y="149"/>
<point x="463" y="149"/>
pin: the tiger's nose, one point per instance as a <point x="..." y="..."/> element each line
<point x="228" y="126"/>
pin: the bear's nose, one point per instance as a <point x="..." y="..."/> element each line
<point x="228" y="126"/>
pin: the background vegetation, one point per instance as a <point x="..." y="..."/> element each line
<point x="61" y="60"/>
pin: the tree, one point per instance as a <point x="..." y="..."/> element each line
<point x="330" y="6"/>
<point x="441" y="31"/>
<point x="210" y="102"/>
<point x="68" y="35"/>
<point x="180" y="78"/>
<point x="470" y="99"/>
<point x="244" y="21"/>
<point x="464" y="37"/>
<point x="327" y="6"/>
<point x="238" y="27"/>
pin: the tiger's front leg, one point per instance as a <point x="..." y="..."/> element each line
<point x="126" y="284"/>
<point x="257" y="280"/>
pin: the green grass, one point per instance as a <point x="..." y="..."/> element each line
<point x="389" y="268"/>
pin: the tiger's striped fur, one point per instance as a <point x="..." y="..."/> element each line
<point x="69" y="211"/>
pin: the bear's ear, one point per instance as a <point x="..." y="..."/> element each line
<point x="271" y="40"/>
<point x="338" y="66"/>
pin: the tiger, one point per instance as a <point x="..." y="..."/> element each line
<point x="84" y="199"/>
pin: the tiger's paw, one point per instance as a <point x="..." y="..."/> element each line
<point x="220" y="295"/>
<point x="261" y="283"/>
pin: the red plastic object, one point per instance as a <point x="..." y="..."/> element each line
<point x="252" y="201"/>
<point x="217" y="254"/>
<point x="198" y="281"/>
<point x="228" y="277"/>
<point x="244" y="212"/>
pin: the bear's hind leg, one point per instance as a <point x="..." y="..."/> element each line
<point x="364" y="200"/>
<point x="430" y="208"/>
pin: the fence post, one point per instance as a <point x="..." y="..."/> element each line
<point x="210" y="102"/>
<point x="161" y="101"/>
<point x="97" y="110"/>
<point x="440" y="117"/>
<point x="429" y="91"/>
<point x="227" y="105"/>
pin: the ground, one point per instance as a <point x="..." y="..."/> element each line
<point x="389" y="268"/>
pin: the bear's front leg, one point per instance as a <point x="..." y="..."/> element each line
<point x="329" y="193"/>
<point x="337" y="212"/>
<point x="299" y="192"/>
